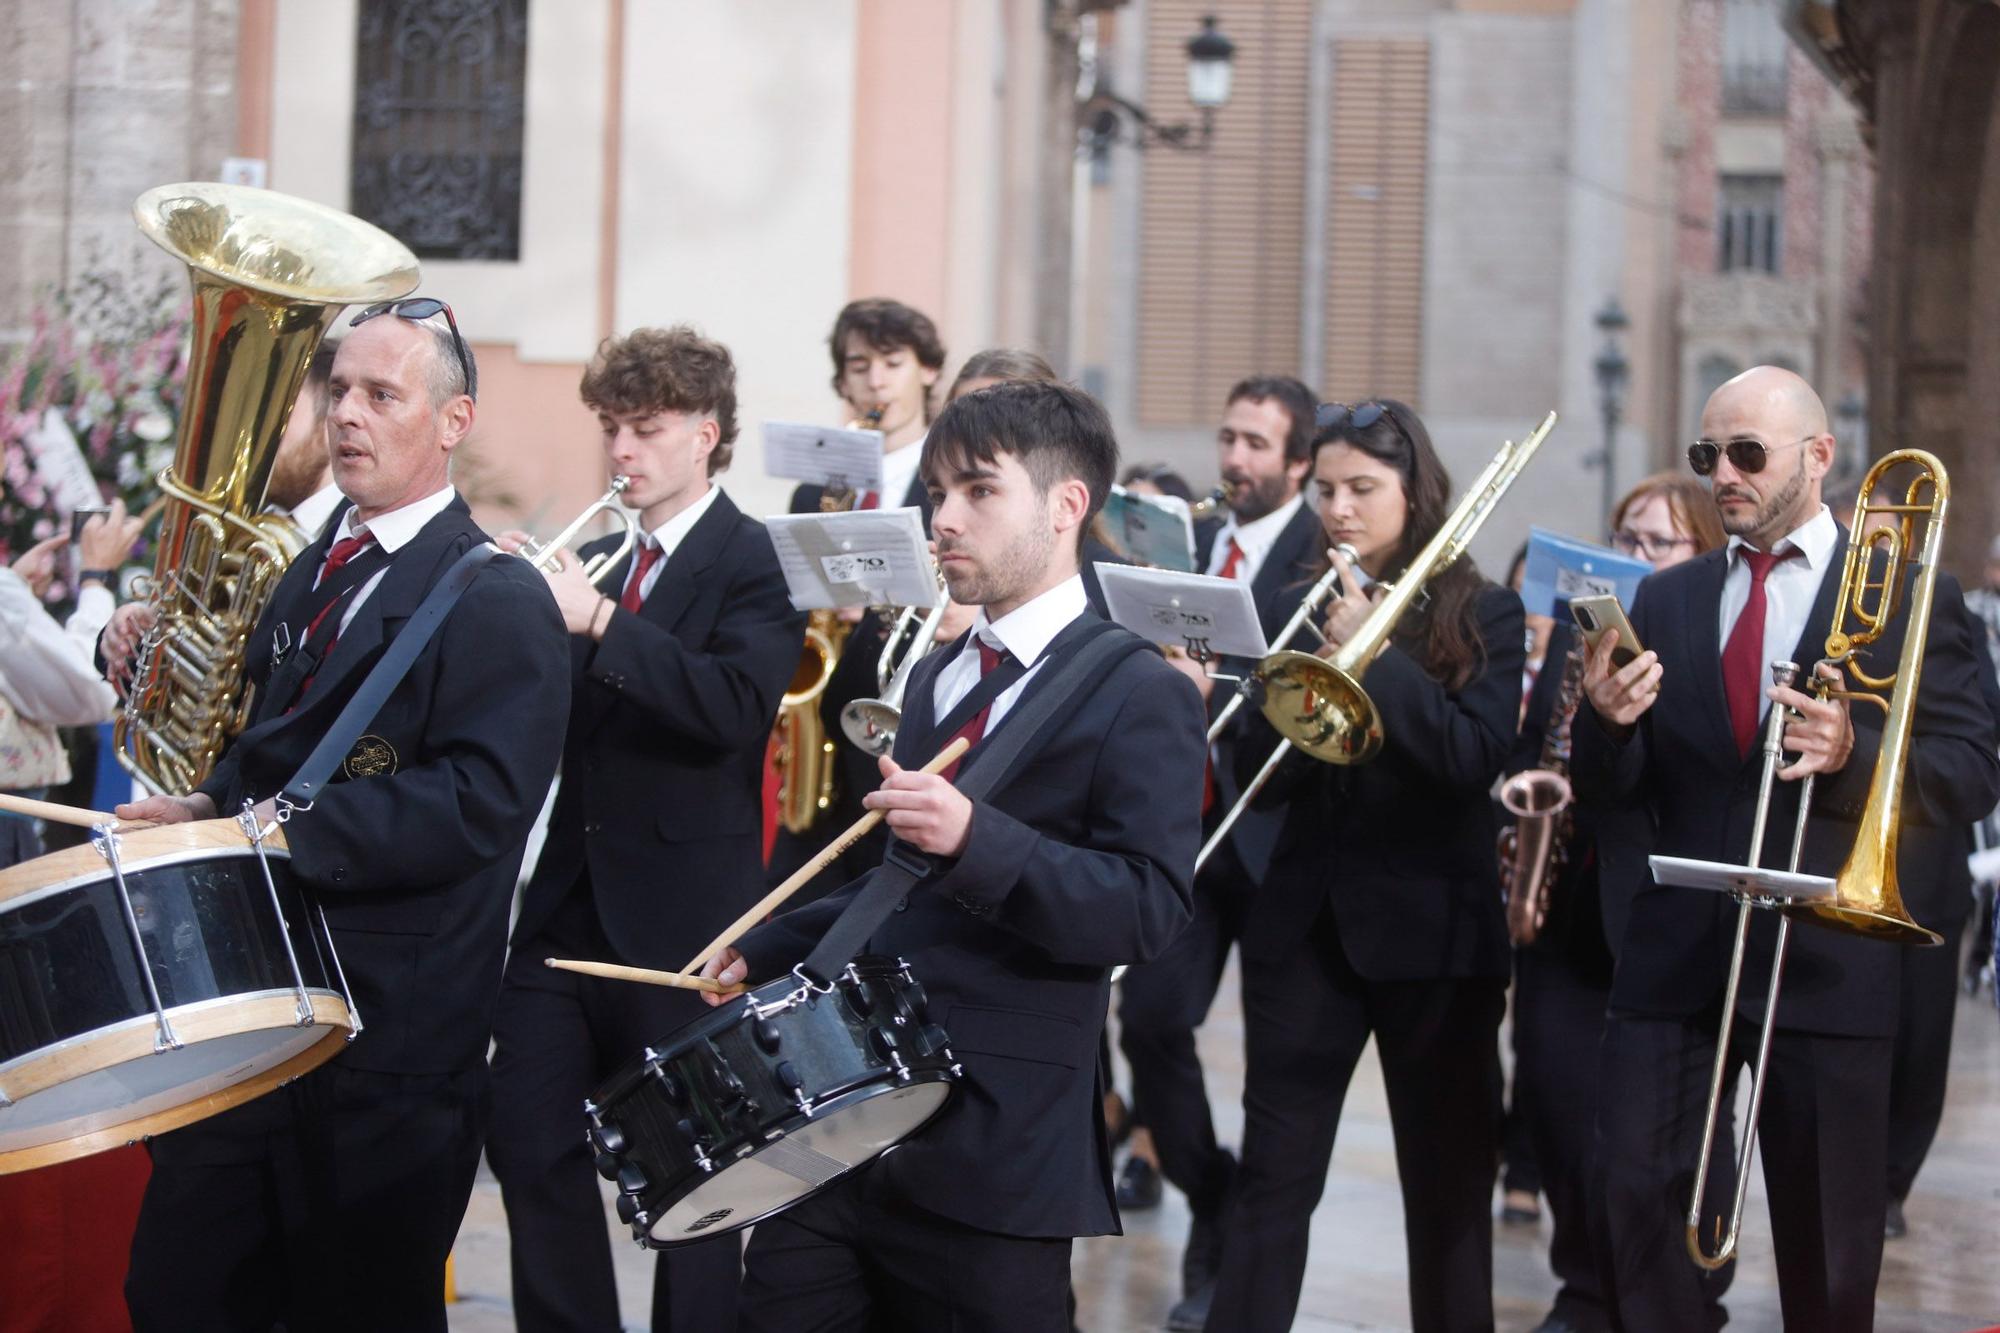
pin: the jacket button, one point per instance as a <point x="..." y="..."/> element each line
<point x="593" y="828"/>
<point x="903" y="903"/>
<point x="339" y="875"/>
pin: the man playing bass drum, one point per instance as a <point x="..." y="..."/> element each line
<point x="1381" y="913"/>
<point x="1078" y="862"/>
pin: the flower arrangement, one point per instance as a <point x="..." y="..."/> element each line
<point x="98" y="380"/>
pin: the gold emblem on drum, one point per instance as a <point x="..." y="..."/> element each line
<point x="371" y="757"/>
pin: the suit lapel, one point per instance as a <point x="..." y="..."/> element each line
<point x="680" y="577"/>
<point x="1811" y="646"/>
<point x="1288" y="566"/>
<point x="1704" y="614"/>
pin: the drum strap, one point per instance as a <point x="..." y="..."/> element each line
<point x="1072" y="679"/>
<point x="383" y="678"/>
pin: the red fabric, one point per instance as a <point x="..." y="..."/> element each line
<point x="649" y="555"/>
<point x="1230" y="562"/>
<point x="1743" y="667"/>
<point x="770" y="792"/>
<point x="65" y="1239"/>
<point x="975" y="726"/>
<point x="872" y="500"/>
<point x="343" y="551"/>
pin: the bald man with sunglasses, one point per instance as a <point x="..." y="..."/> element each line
<point x="1677" y="731"/>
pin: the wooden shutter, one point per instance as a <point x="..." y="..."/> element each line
<point x="1375" y="220"/>
<point x="1222" y="232"/>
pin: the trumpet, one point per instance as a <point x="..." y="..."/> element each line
<point x="1319" y="706"/>
<point x="871" y="723"/>
<point x="1865" y="899"/>
<point x="1205" y="507"/>
<point x="544" y="556"/>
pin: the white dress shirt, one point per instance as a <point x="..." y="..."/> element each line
<point x="899" y="470"/>
<point x="668" y="537"/>
<point x="46" y="671"/>
<point x="1789" y="590"/>
<point x="1023" y="633"/>
<point x="312" y="512"/>
<point x="1256" y="538"/>
<point x="392" y="532"/>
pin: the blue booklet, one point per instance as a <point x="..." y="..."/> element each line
<point x="1560" y="568"/>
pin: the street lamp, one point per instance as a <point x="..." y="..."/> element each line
<point x="1210" y="72"/>
<point x="1614" y="372"/>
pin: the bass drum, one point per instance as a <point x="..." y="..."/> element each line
<point x="769" y="1100"/>
<point x="202" y="981"/>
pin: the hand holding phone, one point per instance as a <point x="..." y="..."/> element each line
<point x="1597" y="616"/>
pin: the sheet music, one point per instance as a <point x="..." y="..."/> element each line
<point x="1721" y="877"/>
<point x="1561" y="568"/>
<point x="1151" y="529"/>
<point x="859" y="557"/>
<point x="1204" y="615"/>
<point x="60" y="464"/>
<point x="823" y="455"/>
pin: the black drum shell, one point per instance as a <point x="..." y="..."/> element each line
<point x="728" y="1078"/>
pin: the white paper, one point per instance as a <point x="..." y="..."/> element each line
<point x="1151" y="529"/>
<point x="60" y="464"/>
<point x="823" y="455"/>
<point x="857" y="557"/>
<point x="1721" y="877"/>
<point x="1204" y="615"/>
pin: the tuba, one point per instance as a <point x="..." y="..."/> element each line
<point x="1318" y="705"/>
<point x="1865" y="899"/>
<point x="270" y="273"/>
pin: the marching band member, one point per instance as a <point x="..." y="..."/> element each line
<point x="1675" y="729"/>
<point x="1381" y="912"/>
<point x="1271" y="540"/>
<point x="1033" y="895"/>
<point x="676" y="675"/>
<point x="332" y="1202"/>
<point x="1562" y="980"/>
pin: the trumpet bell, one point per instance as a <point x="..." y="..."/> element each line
<point x="1319" y="708"/>
<point x="871" y="724"/>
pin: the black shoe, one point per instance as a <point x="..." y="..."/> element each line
<point x="1202" y="1259"/>
<point x="1190" y="1314"/>
<point x="1893" y="1225"/>
<point x="1138" y="1186"/>
<point x="1555" y="1323"/>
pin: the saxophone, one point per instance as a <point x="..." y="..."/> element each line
<point x="1534" y="851"/>
<point x="270" y="274"/>
<point x="803" y="753"/>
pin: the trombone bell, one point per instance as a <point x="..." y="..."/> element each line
<point x="1319" y="708"/>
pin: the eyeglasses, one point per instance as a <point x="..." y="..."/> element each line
<point x="1333" y="416"/>
<point x="1746" y="456"/>
<point x="1647" y="545"/>
<point x="417" y="309"/>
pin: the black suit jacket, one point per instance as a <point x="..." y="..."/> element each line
<point x="1401" y="848"/>
<point x="1079" y="863"/>
<point x="416" y="866"/>
<point x="1282" y="580"/>
<point x="660" y="806"/>
<point x="1682" y="763"/>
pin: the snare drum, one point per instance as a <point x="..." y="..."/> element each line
<point x="152" y="978"/>
<point x="769" y="1100"/>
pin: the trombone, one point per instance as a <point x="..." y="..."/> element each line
<point x="1318" y="705"/>
<point x="1865" y="898"/>
<point x="544" y="555"/>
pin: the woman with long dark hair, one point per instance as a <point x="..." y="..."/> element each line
<point x="1381" y="916"/>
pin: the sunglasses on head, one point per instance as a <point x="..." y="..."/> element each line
<point x="417" y="309"/>
<point x="1335" y="416"/>
<point x="1746" y="456"/>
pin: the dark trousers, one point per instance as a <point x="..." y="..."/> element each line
<point x="1558" y="1019"/>
<point x="329" y="1204"/>
<point x="860" y="1257"/>
<point x="557" y="1037"/>
<point x="1307" y="1016"/>
<point x="1824" y="1149"/>
<point x="1923" y="1057"/>
<point x="1160" y="1005"/>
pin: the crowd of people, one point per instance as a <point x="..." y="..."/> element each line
<point x="1365" y="901"/>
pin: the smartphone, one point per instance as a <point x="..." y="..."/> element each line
<point x="1598" y="616"/>
<point x="81" y="515"/>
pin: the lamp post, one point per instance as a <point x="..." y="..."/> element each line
<point x="1104" y="117"/>
<point x="1614" y="372"/>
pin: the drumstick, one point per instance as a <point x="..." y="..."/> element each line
<point x="800" y="877"/>
<point x="65" y="814"/>
<point x="647" y="975"/>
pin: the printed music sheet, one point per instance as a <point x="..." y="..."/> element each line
<point x="1721" y="877"/>
<point x="823" y="455"/>
<point x="1562" y="568"/>
<point x="1206" y="616"/>
<point x="859" y="557"/>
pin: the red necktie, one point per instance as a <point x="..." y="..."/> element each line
<point x="649" y="555"/>
<point x="872" y="500"/>
<point x="975" y="726"/>
<point x="1743" y="667"/>
<point x="341" y="552"/>
<point x="1230" y="561"/>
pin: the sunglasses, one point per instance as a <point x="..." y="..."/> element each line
<point x="417" y="309"/>
<point x="1334" y="416"/>
<point x="1746" y="456"/>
